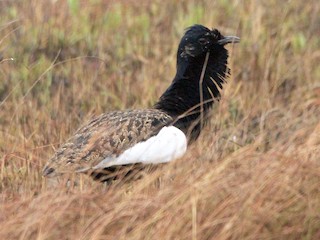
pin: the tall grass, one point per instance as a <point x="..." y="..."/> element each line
<point x="253" y="174"/>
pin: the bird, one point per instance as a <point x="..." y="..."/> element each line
<point x="163" y="132"/>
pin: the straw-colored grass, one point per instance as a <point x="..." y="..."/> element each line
<point x="253" y="174"/>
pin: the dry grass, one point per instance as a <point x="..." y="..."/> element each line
<point x="253" y="174"/>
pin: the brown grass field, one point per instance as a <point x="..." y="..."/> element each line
<point x="254" y="173"/>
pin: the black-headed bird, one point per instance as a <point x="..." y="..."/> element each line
<point x="159" y="134"/>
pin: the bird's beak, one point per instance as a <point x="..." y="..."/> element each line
<point x="228" y="39"/>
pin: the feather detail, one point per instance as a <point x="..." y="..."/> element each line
<point x="107" y="135"/>
<point x="169" y="144"/>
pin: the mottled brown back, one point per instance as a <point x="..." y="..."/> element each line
<point x="105" y="136"/>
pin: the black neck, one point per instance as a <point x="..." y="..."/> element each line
<point x="183" y="101"/>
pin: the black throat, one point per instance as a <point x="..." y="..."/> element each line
<point x="183" y="99"/>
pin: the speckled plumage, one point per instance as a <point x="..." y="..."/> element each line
<point x="107" y="135"/>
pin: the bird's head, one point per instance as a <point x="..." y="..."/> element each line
<point x="198" y="40"/>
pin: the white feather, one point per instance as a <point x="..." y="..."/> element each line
<point x="169" y="144"/>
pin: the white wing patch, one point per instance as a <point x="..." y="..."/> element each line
<point x="170" y="143"/>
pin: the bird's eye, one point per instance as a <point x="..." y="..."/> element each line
<point x="203" y="41"/>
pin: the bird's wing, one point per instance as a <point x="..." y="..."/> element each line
<point x="106" y="136"/>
